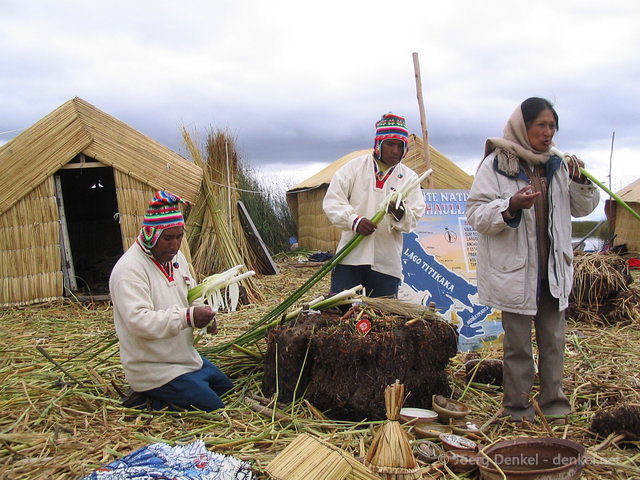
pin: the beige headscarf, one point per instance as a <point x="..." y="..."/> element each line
<point x="514" y="145"/>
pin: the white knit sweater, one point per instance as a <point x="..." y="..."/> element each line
<point x="149" y="311"/>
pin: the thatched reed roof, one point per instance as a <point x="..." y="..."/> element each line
<point x="78" y="127"/>
<point x="446" y="174"/>
<point x="630" y="193"/>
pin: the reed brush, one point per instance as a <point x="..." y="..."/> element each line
<point x="390" y="454"/>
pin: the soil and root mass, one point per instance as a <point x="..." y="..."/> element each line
<point x="342" y="363"/>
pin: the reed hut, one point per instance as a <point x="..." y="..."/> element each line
<point x="73" y="189"/>
<point x="624" y="225"/>
<point x="305" y="199"/>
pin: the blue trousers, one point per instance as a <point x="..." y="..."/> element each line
<point x="376" y="284"/>
<point x="200" y="390"/>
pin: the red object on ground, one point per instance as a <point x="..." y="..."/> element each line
<point x="633" y="263"/>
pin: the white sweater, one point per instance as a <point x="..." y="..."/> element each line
<point x="149" y="311"/>
<point x="353" y="192"/>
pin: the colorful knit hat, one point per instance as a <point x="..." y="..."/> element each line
<point x="391" y="126"/>
<point x="163" y="212"/>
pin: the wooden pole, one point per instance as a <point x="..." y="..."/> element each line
<point x="423" y="119"/>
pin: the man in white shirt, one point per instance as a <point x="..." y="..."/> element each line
<point x="356" y="193"/>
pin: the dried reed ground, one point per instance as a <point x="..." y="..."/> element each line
<point x="51" y="428"/>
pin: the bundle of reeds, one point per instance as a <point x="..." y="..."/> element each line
<point x="309" y="458"/>
<point x="602" y="292"/>
<point x="214" y="231"/>
<point x="598" y="276"/>
<point x="392" y="306"/>
<point x="390" y="454"/>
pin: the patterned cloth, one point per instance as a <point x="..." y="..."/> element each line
<point x="163" y="212"/>
<point x="391" y="127"/>
<point x="160" y="461"/>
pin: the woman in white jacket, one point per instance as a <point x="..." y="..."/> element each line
<point x="521" y="203"/>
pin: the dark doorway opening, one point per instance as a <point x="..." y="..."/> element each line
<point x="90" y="209"/>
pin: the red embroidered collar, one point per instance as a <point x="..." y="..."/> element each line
<point x="167" y="269"/>
<point x="381" y="177"/>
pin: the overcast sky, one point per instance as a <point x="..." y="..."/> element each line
<point x="299" y="84"/>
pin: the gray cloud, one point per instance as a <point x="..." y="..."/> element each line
<point x="304" y="83"/>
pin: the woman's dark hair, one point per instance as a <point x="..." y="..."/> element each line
<point x="532" y="107"/>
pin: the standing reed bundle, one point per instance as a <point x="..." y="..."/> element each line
<point x="214" y="232"/>
<point x="390" y="454"/>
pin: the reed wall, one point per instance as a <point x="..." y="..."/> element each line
<point x="31" y="270"/>
<point x="32" y="157"/>
<point x="315" y="231"/>
<point x="627" y="228"/>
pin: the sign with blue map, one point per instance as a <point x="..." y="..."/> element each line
<point x="439" y="266"/>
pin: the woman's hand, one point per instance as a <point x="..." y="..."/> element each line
<point x="522" y="200"/>
<point x="574" y="164"/>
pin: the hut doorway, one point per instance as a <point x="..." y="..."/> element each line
<point x="90" y="229"/>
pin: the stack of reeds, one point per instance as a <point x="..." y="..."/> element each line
<point x="602" y="292"/>
<point x="597" y="277"/>
<point x="390" y="454"/>
<point x="309" y="458"/>
<point x="214" y="232"/>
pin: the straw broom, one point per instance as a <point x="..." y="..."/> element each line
<point x="390" y="454"/>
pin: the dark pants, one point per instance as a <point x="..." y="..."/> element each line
<point x="376" y="284"/>
<point x="200" y="390"/>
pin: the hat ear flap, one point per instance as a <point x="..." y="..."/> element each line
<point x="377" y="146"/>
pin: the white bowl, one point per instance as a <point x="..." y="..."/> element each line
<point x="417" y="416"/>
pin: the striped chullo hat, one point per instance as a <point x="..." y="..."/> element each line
<point x="389" y="127"/>
<point x="163" y="212"/>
